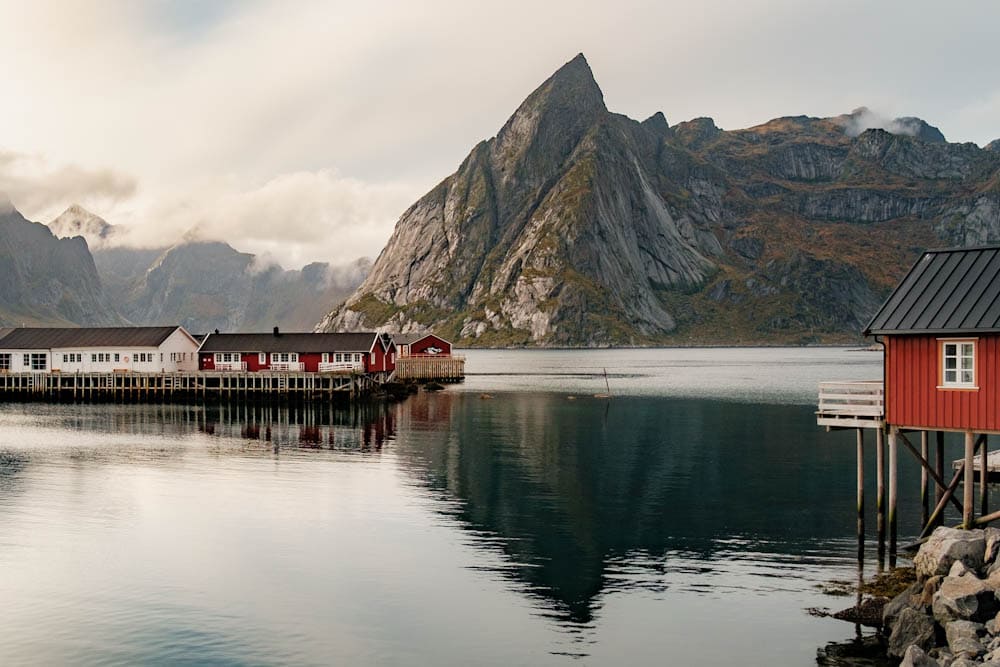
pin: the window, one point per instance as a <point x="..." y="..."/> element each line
<point x="38" y="362"/>
<point x="262" y="358"/>
<point x="959" y="363"/>
<point x="284" y="357"/>
<point x="357" y="357"/>
<point x="5" y="362"/>
<point x="118" y="357"/>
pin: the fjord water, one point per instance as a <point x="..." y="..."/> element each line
<point x="688" y="520"/>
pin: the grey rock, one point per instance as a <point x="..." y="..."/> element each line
<point x="965" y="598"/>
<point x="963" y="661"/>
<point x="993" y="627"/>
<point x="992" y="536"/>
<point x="959" y="569"/>
<point x="965" y="638"/>
<point x="916" y="657"/>
<point x="945" y="546"/>
<point x="911" y="598"/>
<point x="911" y="628"/>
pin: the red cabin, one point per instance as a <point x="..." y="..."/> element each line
<point x="941" y="331"/>
<point x="297" y="352"/>
<point x="426" y="344"/>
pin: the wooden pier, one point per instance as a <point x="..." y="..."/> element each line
<point x="450" y="368"/>
<point x="184" y="386"/>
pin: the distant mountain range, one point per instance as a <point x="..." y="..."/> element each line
<point x="578" y="226"/>
<point x="86" y="279"/>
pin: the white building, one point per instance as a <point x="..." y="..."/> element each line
<point x="97" y="350"/>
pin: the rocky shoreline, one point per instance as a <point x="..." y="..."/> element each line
<point x="950" y="616"/>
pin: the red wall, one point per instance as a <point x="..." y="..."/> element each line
<point x="912" y="369"/>
<point x="311" y="361"/>
<point x="430" y="340"/>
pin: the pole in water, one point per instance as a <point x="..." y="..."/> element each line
<point x="607" y="395"/>
<point x="861" y="498"/>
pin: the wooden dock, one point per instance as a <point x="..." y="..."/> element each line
<point x="449" y="368"/>
<point x="185" y="386"/>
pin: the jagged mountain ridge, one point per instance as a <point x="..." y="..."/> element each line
<point x="203" y="285"/>
<point x="207" y="285"/>
<point x="578" y="226"/>
<point x="47" y="280"/>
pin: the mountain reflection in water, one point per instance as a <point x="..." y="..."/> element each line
<point x="629" y="526"/>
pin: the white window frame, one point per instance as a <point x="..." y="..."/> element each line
<point x="958" y="363"/>
<point x="262" y="358"/>
<point x="6" y="361"/>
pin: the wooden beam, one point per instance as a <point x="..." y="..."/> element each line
<point x="893" y="488"/>
<point x="861" y="495"/>
<point x="924" y="469"/>
<point x="984" y="488"/>
<point x="939" y="509"/>
<point x="938" y="481"/>
<point x="967" y="515"/>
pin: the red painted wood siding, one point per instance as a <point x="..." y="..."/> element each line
<point x="430" y="340"/>
<point x="912" y="375"/>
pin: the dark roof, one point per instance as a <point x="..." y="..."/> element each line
<point x="289" y="342"/>
<point x="45" y="338"/>
<point x="4" y="331"/>
<point x="948" y="292"/>
<point x="410" y="338"/>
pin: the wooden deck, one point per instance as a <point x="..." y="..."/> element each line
<point x="449" y="368"/>
<point x="851" y="404"/>
<point x="182" y="386"/>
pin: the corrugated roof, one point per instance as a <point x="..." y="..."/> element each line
<point x="46" y="338"/>
<point x="4" y="331"/>
<point x="289" y="342"/>
<point x="948" y="292"/>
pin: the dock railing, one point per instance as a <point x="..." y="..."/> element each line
<point x="231" y="366"/>
<point x="293" y="366"/>
<point x="858" y="404"/>
<point x="341" y="367"/>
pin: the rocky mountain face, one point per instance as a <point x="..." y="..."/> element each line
<point x="206" y="285"/>
<point x="47" y="280"/>
<point x="578" y="226"/>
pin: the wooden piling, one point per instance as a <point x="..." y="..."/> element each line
<point x="861" y="494"/>
<point x="893" y="487"/>
<point x="880" y="490"/>
<point x="967" y="513"/>
<point x="924" y="491"/>
<point x="984" y="489"/>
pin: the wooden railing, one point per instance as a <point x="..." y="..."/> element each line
<point x="342" y="367"/>
<point x="230" y="365"/>
<point x="293" y="366"/>
<point x="851" y="404"/>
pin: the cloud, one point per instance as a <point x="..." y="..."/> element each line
<point x="863" y="118"/>
<point x="291" y="220"/>
<point x="34" y="184"/>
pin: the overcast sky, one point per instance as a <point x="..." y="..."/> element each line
<point x="303" y="129"/>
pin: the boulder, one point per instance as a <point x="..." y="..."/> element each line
<point x="912" y="628"/>
<point x="993" y="626"/>
<point x="992" y="536"/>
<point x="947" y="545"/>
<point x="964" y="662"/>
<point x="959" y="569"/>
<point x="965" y="599"/>
<point x="911" y="598"/>
<point x="915" y="657"/>
<point x="965" y="638"/>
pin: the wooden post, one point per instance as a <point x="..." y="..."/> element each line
<point x="861" y="495"/>
<point x="893" y="488"/>
<point x="924" y="491"/>
<point x="967" y="514"/>
<point x="880" y="490"/>
<point x="939" y="466"/>
<point x="984" y="490"/>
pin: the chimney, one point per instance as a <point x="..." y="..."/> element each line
<point x="216" y="331"/>
<point x="276" y="332"/>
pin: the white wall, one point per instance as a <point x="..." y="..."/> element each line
<point x="178" y="352"/>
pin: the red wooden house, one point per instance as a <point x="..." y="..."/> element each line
<point x="941" y="331"/>
<point x="426" y="344"/>
<point x="306" y="352"/>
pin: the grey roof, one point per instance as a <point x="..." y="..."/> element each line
<point x="289" y="342"/>
<point x="46" y="338"/>
<point x="948" y="292"/>
<point x="406" y="339"/>
<point x="4" y="331"/>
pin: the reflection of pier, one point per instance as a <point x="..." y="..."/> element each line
<point x="184" y="386"/>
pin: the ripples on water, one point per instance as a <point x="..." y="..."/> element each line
<point x="662" y="527"/>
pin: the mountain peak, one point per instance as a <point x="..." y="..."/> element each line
<point x="863" y="118"/>
<point x="78" y="221"/>
<point x="6" y="205"/>
<point x="552" y="119"/>
<point x="993" y="146"/>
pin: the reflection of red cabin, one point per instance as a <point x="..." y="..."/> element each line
<point x="427" y="344"/>
<point x="941" y="329"/>
<point x="307" y="352"/>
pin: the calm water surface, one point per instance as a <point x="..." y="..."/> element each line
<point x="689" y="520"/>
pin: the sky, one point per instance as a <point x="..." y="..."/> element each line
<point x="301" y="130"/>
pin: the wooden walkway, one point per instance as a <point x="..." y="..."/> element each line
<point x="183" y="386"/>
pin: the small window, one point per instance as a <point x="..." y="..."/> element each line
<point x="5" y="362"/>
<point x="959" y="364"/>
<point x="118" y="357"/>
<point x="38" y="362"/>
<point x="262" y="358"/>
